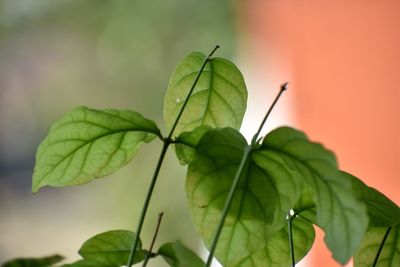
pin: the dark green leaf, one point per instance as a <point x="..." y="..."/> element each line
<point x="381" y="210"/>
<point x="267" y="191"/>
<point x="305" y="206"/>
<point x="34" y="262"/>
<point x="218" y="100"/>
<point x="185" y="147"/>
<point x="177" y="255"/>
<point x="111" y="248"/>
<point x="339" y="213"/>
<point x="87" y="144"/>
<point x="87" y="263"/>
<point x="390" y="254"/>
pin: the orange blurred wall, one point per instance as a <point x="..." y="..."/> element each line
<point x="343" y="61"/>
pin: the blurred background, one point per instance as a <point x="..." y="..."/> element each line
<point x="342" y="60"/>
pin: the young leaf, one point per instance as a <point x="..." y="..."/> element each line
<point x="390" y="253"/>
<point x="34" y="262"/>
<point x="177" y="255"/>
<point x="87" y="144"/>
<point x="111" y="248"/>
<point x="185" y="147"/>
<point x="218" y="100"/>
<point x="339" y="213"/>
<point x="276" y="252"/>
<point x="267" y="190"/>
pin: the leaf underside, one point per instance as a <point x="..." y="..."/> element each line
<point x="218" y="100"/>
<point x="110" y="248"/>
<point x="177" y="255"/>
<point x="390" y="254"/>
<point x="87" y="144"/>
<point x="270" y="187"/>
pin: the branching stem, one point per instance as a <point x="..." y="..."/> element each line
<point x="166" y="142"/>
<point x="247" y="151"/>
<point x="381" y="247"/>
<point x="150" y="252"/>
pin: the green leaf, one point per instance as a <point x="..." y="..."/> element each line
<point x="270" y="187"/>
<point x="218" y="100"/>
<point x="87" y="144"/>
<point x="276" y="252"/>
<point x="185" y="147"/>
<point x="381" y="210"/>
<point x="34" y="262"/>
<point x="177" y="255"/>
<point x="87" y="263"/>
<point x="111" y="248"/>
<point x="339" y="213"/>
<point x="390" y="254"/>
<point x="267" y="191"/>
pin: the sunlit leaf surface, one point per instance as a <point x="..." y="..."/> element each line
<point x="218" y="100"/>
<point x="87" y="144"/>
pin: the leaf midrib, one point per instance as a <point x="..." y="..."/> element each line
<point x="94" y="139"/>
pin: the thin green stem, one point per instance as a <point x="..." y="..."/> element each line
<point x="235" y="183"/>
<point x="191" y="91"/>
<point x="290" y="218"/>
<point x="150" y="252"/>
<point x="228" y="203"/>
<point x="166" y="142"/>
<point x="381" y="247"/>
<point x="283" y="88"/>
<point x="147" y="202"/>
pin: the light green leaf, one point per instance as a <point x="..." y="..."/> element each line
<point x="185" y="147"/>
<point x="267" y="191"/>
<point x="339" y="213"/>
<point x="218" y="100"/>
<point x="390" y="254"/>
<point x="177" y="255"/>
<point x="111" y="248"/>
<point x="33" y="262"/>
<point x="276" y="252"/>
<point x="270" y="187"/>
<point x="381" y="210"/>
<point x="87" y="144"/>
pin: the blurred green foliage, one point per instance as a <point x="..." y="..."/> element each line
<point x="55" y="55"/>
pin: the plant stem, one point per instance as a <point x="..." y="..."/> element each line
<point x="166" y="142"/>
<point x="381" y="247"/>
<point x="291" y="217"/>
<point x="149" y="254"/>
<point x="235" y="183"/>
<point x="228" y="203"/>
<point x="146" y="203"/>
<point x="191" y="91"/>
<point x="283" y="88"/>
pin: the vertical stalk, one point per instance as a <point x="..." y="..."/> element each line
<point x="227" y="206"/>
<point x="166" y="142"/>
<point x="146" y="203"/>
<point x="150" y="253"/>
<point x="235" y="183"/>
<point x="290" y="218"/>
<point x="381" y="247"/>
